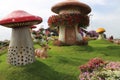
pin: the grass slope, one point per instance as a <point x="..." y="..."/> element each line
<point x="63" y="63"/>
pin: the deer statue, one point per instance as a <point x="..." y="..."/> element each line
<point x="42" y="52"/>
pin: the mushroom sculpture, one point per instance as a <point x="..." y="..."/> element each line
<point x="32" y="27"/>
<point x="32" y="32"/>
<point x="21" y="50"/>
<point x="101" y="31"/>
<point x="71" y="15"/>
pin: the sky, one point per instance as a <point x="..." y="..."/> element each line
<point x="105" y="14"/>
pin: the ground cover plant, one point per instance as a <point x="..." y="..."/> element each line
<point x="63" y="62"/>
<point x="98" y="69"/>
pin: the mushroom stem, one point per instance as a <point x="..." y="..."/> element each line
<point x="101" y="36"/>
<point x="73" y="33"/>
<point x="62" y="33"/>
<point x="21" y="51"/>
<point x="78" y="35"/>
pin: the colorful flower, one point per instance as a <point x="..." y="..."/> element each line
<point x="97" y="69"/>
<point x="69" y="20"/>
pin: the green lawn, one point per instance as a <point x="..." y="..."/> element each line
<point x="63" y="63"/>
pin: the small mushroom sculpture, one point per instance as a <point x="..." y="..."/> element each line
<point x="32" y="32"/>
<point x="21" y="50"/>
<point x="101" y="31"/>
<point x="32" y="27"/>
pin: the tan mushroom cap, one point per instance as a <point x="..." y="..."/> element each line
<point x="100" y="30"/>
<point x="71" y="3"/>
<point x="20" y="18"/>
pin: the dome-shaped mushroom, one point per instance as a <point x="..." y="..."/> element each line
<point x="20" y="18"/>
<point x="101" y="31"/>
<point x="21" y="51"/>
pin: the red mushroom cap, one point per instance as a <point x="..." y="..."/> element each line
<point x="71" y="4"/>
<point x="33" y="27"/>
<point x="20" y="18"/>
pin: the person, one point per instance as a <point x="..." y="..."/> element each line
<point x="111" y="38"/>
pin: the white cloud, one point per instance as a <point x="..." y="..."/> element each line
<point x="5" y="33"/>
<point x="94" y="2"/>
<point x="105" y="13"/>
<point x="110" y="22"/>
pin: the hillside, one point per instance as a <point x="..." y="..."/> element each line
<point x="63" y="63"/>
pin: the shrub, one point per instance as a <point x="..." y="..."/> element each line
<point x="97" y="69"/>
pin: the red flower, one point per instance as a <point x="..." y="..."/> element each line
<point x="92" y="64"/>
<point x="68" y="19"/>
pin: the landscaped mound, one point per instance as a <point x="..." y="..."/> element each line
<point x="62" y="64"/>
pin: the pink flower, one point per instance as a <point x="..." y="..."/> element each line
<point x="68" y="19"/>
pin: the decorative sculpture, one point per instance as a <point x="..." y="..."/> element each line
<point x="21" y="51"/>
<point x="101" y="31"/>
<point x="72" y="15"/>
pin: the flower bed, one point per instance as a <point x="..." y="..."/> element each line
<point x="68" y="19"/>
<point x="97" y="69"/>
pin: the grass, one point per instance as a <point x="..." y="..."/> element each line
<point x="63" y="63"/>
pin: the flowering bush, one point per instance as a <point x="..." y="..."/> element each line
<point x="97" y="69"/>
<point x="106" y="75"/>
<point x="93" y="64"/>
<point x="39" y="36"/>
<point x="113" y="66"/>
<point x="68" y="19"/>
<point x="34" y="32"/>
